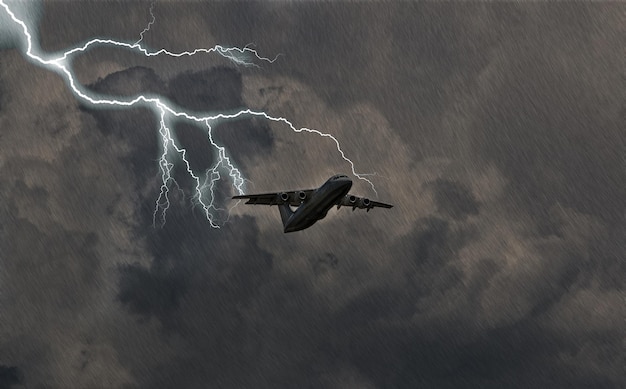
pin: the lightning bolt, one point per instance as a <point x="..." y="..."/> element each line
<point x="150" y="23"/>
<point x="204" y="190"/>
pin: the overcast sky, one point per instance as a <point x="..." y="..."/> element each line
<point x="496" y="130"/>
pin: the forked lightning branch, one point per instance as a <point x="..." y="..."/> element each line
<point x="223" y="167"/>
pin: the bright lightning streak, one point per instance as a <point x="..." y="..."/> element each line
<point x="145" y="30"/>
<point x="166" y="111"/>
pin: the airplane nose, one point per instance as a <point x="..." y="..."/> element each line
<point x="290" y="229"/>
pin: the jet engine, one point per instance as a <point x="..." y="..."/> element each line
<point x="365" y="203"/>
<point x="302" y="195"/>
<point x="352" y="199"/>
<point x="284" y="196"/>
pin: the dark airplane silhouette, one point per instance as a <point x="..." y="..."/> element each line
<point x="312" y="204"/>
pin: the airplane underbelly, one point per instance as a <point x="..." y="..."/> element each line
<point x="311" y="212"/>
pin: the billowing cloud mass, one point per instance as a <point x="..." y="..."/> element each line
<point x="496" y="130"/>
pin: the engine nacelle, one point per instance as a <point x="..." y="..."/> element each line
<point x="365" y="203"/>
<point x="284" y="196"/>
<point x="302" y="195"/>
<point x="352" y="199"/>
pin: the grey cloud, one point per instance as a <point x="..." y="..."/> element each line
<point x="216" y="89"/>
<point x="202" y="297"/>
<point x="61" y="270"/>
<point x="517" y="287"/>
<point x="62" y="208"/>
<point x="550" y="116"/>
<point x="9" y="376"/>
<point x="454" y="199"/>
<point x="148" y="292"/>
<point x="212" y="90"/>
<point x="130" y="82"/>
<point x="324" y="263"/>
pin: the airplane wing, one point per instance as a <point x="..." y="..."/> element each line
<point x="294" y="197"/>
<point x="361" y="202"/>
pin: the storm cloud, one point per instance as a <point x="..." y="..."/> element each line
<point x="496" y="130"/>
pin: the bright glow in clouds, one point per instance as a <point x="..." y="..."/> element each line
<point x="20" y="27"/>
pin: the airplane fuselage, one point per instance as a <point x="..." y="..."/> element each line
<point x="312" y="204"/>
<point x="322" y="199"/>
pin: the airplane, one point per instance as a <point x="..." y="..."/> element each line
<point x="312" y="204"/>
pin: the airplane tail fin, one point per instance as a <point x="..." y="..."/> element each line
<point x="285" y="213"/>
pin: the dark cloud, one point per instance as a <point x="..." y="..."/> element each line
<point x="200" y="287"/>
<point x="9" y="376"/>
<point x="500" y="266"/>
<point x="150" y="292"/>
<point x="71" y="265"/>
<point x="324" y="263"/>
<point x="236" y="314"/>
<point x="130" y="82"/>
<point x="550" y="116"/>
<point x="521" y="355"/>
<point x="74" y="28"/>
<point x="135" y="126"/>
<point x="398" y="337"/>
<point x="212" y="90"/>
<point x="454" y="199"/>
<point x="216" y="89"/>
<point x="56" y="274"/>
<point x="60" y="193"/>
<point x="555" y="143"/>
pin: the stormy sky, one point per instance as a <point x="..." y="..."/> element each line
<point x="496" y="129"/>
